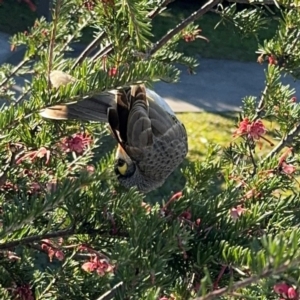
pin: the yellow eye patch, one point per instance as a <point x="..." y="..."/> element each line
<point x="122" y="167"/>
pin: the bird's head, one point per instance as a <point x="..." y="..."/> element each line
<point x="129" y="175"/>
<point x="124" y="166"/>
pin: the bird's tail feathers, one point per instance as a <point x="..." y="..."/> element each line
<point x="90" y="109"/>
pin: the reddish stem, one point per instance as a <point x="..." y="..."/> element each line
<point x="172" y="199"/>
<point x="215" y="286"/>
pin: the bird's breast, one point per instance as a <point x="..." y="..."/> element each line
<point x="160" y="160"/>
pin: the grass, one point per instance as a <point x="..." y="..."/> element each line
<point x="224" y="41"/>
<point x="15" y="17"/>
<point x="205" y="128"/>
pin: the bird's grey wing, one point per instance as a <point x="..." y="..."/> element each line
<point x="158" y="135"/>
<point x="148" y="120"/>
<point x="164" y="123"/>
<point x="139" y="131"/>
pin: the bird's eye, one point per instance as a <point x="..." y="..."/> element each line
<point x="122" y="167"/>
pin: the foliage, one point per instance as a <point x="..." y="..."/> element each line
<point x="69" y="231"/>
<point x="16" y="17"/>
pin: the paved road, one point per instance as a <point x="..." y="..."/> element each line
<point x="4" y="46"/>
<point x="218" y="85"/>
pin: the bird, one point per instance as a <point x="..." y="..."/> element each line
<point x="151" y="141"/>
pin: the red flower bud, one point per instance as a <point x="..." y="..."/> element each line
<point x="112" y="72"/>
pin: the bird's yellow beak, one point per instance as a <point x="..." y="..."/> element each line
<point x="121" y="153"/>
<point x="122" y="160"/>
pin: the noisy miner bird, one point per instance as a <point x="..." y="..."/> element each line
<point x="152" y="142"/>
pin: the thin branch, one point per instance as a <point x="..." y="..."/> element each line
<point x="61" y="233"/>
<point x="103" y="52"/>
<point x="48" y="287"/>
<point x="79" y="29"/>
<point x="89" y="49"/>
<point x="21" y="97"/>
<point x="264" y="2"/>
<point x="253" y="279"/>
<point x="284" y="142"/>
<point x="251" y="157"/>
<point x="111" y="293"/>
<point x="52" y="40"/>
<point x="34" y="238"/>
<point x="13" y="153"/>
<point x="261" y="103"/>
<point x="156" y="11"/>
<point x="194" y="16"/>
<point x="15" y="70"/>
<point x="109" y="48"/>
<point x="216" y="283"/>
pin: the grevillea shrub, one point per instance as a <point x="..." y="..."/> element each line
<point x="69" y="231"/>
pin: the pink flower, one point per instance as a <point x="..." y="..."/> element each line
<point x="32" y="155"/>
<point x="284" y="156"/>
<point x="59" y="255"/>
<point x="100" y="271"/>
<point x="175" y="197"/>
<point x="146" y="206"/>
<point x="186" y="215"/>
<point x="235" y="213"/>
<point x="288" y="292"/>
<point x="112" y="72"/>
<point x="294" y="99"/>
<point x="292" y="293"/>
<point x="288" y="169"/>
<point x="90" y="169"/>
<point x="101" y="266"/>
<point x="272" y="59"/>
<point x="105" y="266"/>
<point x="281" y="288"/>
<point x="89" y="267"/>
<point x="257" y="129"/>
<point x="89" y="5"/>
<point x="13" y="256"/>
<point x="52" y="251"/>
<point x="253" y="130"/>
<point x="23" y="292"/>
<point x="253" y="193"/>
<point x="76" y="143"/>
<point x="172" y="297"/>
<point x="243" y="127"/>
<point x="35" y="187"/>
<point x="83" y="247"/>
<point x="283" y="166"/>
